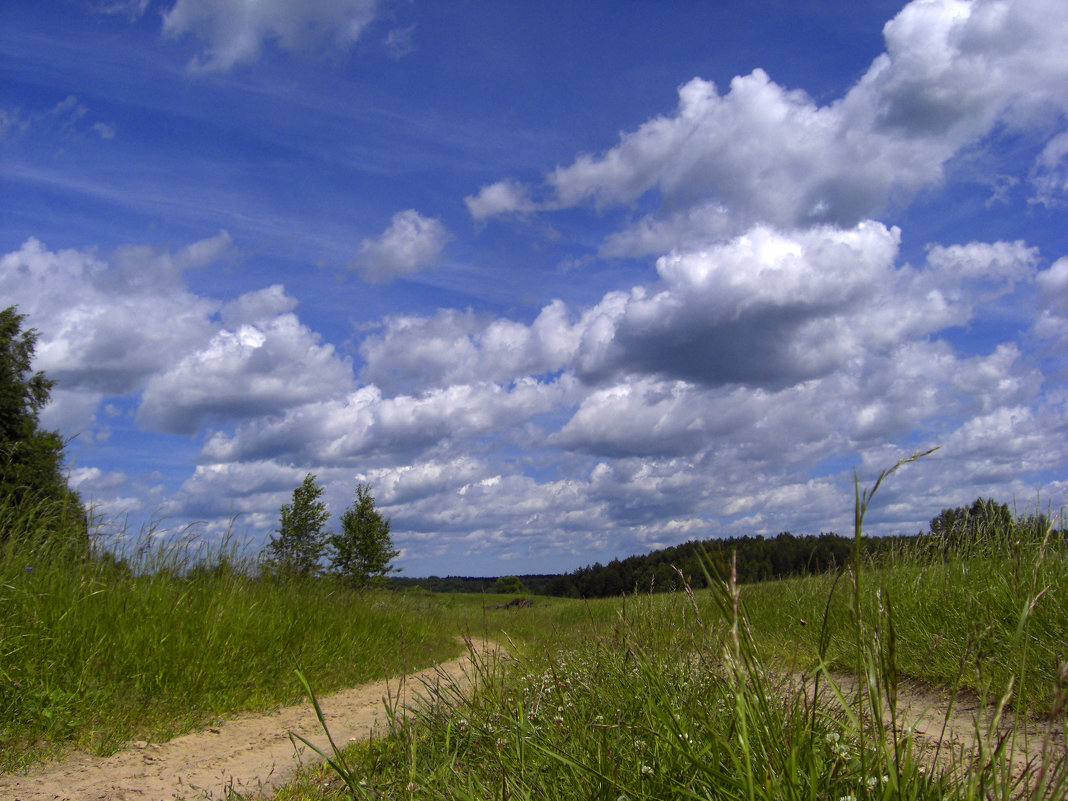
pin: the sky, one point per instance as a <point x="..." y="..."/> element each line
<point x="562" y="282"/>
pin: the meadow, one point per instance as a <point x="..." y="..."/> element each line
<point x="691" y="694"/>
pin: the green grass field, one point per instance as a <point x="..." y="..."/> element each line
<point x="677" y="695"/>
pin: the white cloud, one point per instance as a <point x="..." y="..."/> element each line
<point x="645" y="417"/>
<point x="250" y="371"/>
<point x="254" y="308"/>
<point x="127" y="8"/>
<point x="1052" y="321"/>
<point x="67" y="120"/>
<point x="953" y="71"/>
<point x="127" y="324"/>
<point x="88" y="479"/>
<point x="103" y="130"/>
<point x="1050" y="173"/>
<point x="711" y="391"/>
<point x="458" y="347"/>
<point x="333" y="431"/>
<point x="765" y="308"/>
<point x="106" y="326"/>
<point x="234" y="31"/>
<point x="254" y="490"/>
<point x="1012" y="260"/>
<point x="503" y="197"/>
<point x="412" y="244"/>
<point x="73" y="413"/>
<point x="400" y="485"/>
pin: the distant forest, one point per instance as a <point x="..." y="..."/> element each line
<point x="758" y="558"/>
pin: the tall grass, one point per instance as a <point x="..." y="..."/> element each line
<point x="96" y="651"/>
<point x="678" y="698"/>
<point x="975" y="617"/>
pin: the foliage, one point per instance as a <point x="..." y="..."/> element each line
<point x="363" y="550"/>
<point x="162" y="638"/>
<point x="31" y="459"/>
<point x="983" y="526"/>
<point x="300" y="539"/>
<point x="678" y="700"/>
<point x="509" y="585"/>
<point x="965" y="524"/>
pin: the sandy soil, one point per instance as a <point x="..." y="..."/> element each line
<point x="251" y="753"/>
<point x="964" y="732"/>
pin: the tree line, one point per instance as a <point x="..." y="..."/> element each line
<point x="984" y="527"/>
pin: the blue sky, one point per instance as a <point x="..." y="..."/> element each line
<point x="561" y="281"/>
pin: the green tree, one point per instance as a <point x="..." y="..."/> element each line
<point x="964" y="526"/>
<point x="300" y="539"/>
<point x="31" y="459"/>
<point x="363" y="549"/>
<point x="509" y="585"/>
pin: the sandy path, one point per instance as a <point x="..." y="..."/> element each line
<point x="248" y="753"/>
<point x="965" y="732"/>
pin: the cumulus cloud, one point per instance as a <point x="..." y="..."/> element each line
<point x="107" y="325"/>
<point x="72" y="412"/>
<point x="85" y="479"/>
<point x="335" y="431"/>
<point x="952" y="72"/>
<point x="766" y="308"/>
<point x="254" y="489"/>
<point x="1052" y="322"/>
<point x="452" y="347"/>
<point x="233" y="31"/>
<point x="257" y="307"/>
<point x="503" y="197"/>
<point x="412" y="244"/>
<point x="781" y="340"/>
<point x="654" y="391"/>
<point x="127" y="324"/>
<point x="999" y="260"/>
<point x="249" y="371"/>
<point x="646" y="417"/>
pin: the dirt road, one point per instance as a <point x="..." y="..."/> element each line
<point x="248" y="753"/>
<point x="254" y="753"/>
<point x="966" y="732"/>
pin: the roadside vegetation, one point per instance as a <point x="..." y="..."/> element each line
<point x="714" y="694"/>
<point x="96" y="651"/>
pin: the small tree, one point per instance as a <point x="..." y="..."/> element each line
<point x="301" y="539"/>
<point x="363" y="550"/>
<point x="509" y="585"/>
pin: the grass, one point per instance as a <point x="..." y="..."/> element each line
<point x="683" y="695"/>
<point x="973" y="621"/>
<point x="93" y="654"/>
<point x="690" y="695"/>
